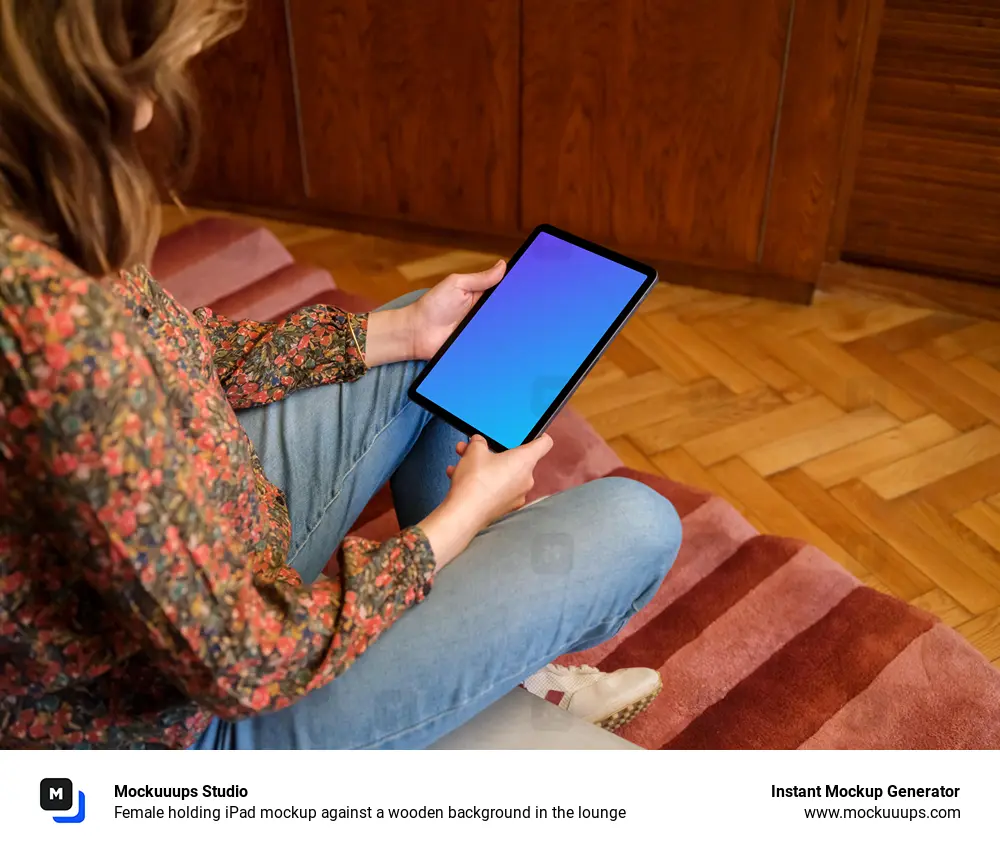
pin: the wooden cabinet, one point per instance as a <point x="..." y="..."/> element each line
<point x="707" y="137"/>
<point x="249" y="152"/>
<point x="927" y="194"/>
<point x="651" y="124"/>
<point x="410" y="110"/>
<point x="705" y="133"/>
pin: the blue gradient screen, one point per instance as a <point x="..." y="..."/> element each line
<point x="509" y="364"/>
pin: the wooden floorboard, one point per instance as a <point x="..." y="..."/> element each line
<point x="869" y="428"/>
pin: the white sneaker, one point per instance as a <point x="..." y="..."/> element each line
<point x="609" y="700"/>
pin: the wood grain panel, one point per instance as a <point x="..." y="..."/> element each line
<point x="820" y="88"/>
<point x="249" y="152"/>
<point x="650" y="125"/>
<point x="937" y="293"/>
<point x="410" y="110"/>
<point x="772" y="513"/>
<point x="899" y="575"/>
<point x="927" y="193"/>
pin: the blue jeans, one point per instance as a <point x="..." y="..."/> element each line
<point x="555" y="577"/>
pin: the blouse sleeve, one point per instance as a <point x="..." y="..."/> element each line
<point x="89" y="441"/>
<point x="261" y="362"/>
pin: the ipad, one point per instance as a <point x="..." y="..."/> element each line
<point x="526" y="345"/>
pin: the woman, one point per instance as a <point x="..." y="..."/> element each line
<point x="172" y="484"/>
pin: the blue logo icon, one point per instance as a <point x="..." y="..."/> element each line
<point x="56" y="795"/>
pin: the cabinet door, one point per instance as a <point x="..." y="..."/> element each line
<point x="249" y="150"/>
<point x="409" y="110"/>
<point x="927" y="194"/>
<point x="651" y="124"/>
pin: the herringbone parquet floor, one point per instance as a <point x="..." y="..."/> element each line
<point x="867" y="428"/>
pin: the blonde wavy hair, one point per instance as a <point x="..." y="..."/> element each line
<point x="72" y="74"/>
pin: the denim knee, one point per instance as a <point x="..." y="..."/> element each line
<point x="652" y="531"/>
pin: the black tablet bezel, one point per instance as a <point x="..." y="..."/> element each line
<point x="589" y="361"/>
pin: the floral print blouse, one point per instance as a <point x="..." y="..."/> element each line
<point x="143" y="577"/>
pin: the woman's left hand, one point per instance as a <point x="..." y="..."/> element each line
<point x="434" y="315"/>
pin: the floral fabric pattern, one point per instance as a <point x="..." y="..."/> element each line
<point x="144" y="584"/>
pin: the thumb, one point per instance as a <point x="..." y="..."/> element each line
<point x="536" y="449"/>
<point x="476" y="446"/>
<point x="481" y="281"/>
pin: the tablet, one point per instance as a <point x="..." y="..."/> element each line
<point x="526" y="345"/>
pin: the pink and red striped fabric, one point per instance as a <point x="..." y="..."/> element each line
<point x="764" y="642"/>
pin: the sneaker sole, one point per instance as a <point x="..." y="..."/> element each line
<point x="630" y="712"/>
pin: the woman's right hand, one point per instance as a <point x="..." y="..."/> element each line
<point x="484" y="487"/>
<point x="495" y="484"/>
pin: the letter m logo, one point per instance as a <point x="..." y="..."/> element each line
<point x="56" y="795"/>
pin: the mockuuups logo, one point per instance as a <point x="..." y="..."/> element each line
<point x="56" y="795"/>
